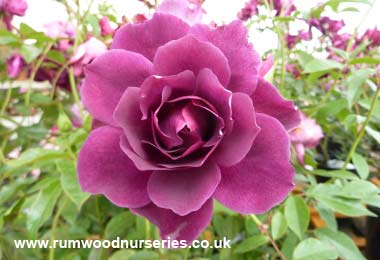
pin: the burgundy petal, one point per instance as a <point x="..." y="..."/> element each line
<point x="108" y="76"/>
<point x="180" y="85"/>
<point x="209" y="88"/>
<point x="243" y="60"/>
<point x="235" y="146"/>
<point x="265" y="177"/>
<point x="146" y="37"/>
<point x="178" y="227"/>
<point x="104" y="168"/>
<point x="183" y="191"/>
<point x="268" y="100"/>
<point x="188" y="53"/>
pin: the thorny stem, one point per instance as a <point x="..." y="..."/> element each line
<point x="361" y="133"/>
<point x="6" y="100"/>
<point x="264" y="230"/>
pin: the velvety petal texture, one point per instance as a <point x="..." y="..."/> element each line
<point x="108" y="77"/>
<point x="178" y="227"/>
<point x="243" y="60"/>
<point x="145" y="38"/>
<point x="104" y="168"/>
<point x="194" y="186"/>
<point x="268" y="100"/>
<point x="265" y="176"/>
<point x="183" y="116"/>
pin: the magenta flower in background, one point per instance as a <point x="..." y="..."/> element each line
<point x="284" y="7"/>
<point x="63" y="30"/>
<point x="187" y="118"/>
<point x="15" y="64"/>
<point x="373" y="36"/>
<point x="250" y="9"/>
<point x="85" y="53"/>
<point x="307" y="135"/>
<point x="9" y="8"/>
<point x="105" y="26"/>
<point x="326" y="25"/>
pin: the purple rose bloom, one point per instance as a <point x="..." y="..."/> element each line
<point x="186" y="119"/>
<point x="15" y="64"/>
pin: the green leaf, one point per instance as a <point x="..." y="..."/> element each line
<point x="358" y="189"/>
<point x="365" y="60"/>
<point x="334" y="174"/>
<point x="6" y="37"/>
<point x="361" y="165"/>
<point x="122" y="254"/>
<point x="312" y="64"/>
<point x="251" y="243"/>
<point x="343" y="244"/>
<point x="297" y="215"/>
<point x="32" y="156"/>
<point x="30" y="52"/>
<point x="278" y="225"/>
<point x="314" y="249"/>
<point x="354" y="84"/>
<point x="144" y="255"/>
<point x="69" y="181"/>
<point x="118" y="226"/>
<point x="328" y="216"/>
<point x="373" y="133"/>
<point x="42" y="208"/>
<point x="331" y="109"/>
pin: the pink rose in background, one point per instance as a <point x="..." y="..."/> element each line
<point x="283" y="7"/>
<point x="186" y="118"/>
<point x="189" y="10"/>
<point x="85" y="53"/>
<point x="307" y="135"/>
<point x="15" y="64"/>
<point x="63" y="30"/>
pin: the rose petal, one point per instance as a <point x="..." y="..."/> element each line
<point x="235" y="146"/>
<point x="183" y="191"/>
<point x="189" y="53"/>
<point x="181" y="84"/>
<point x="177" y="227"/>
<point x="127" y="115"/>
<point x="265" y="177"/>
<point x="146" y="37"/>
<point x="189" y="12"/>
<point x="243" y="60"/>
<point x="209" y="88"/>
<point x="268" y="100"/>
<point x="104" y="168"/>
<point x="108" y="76"/>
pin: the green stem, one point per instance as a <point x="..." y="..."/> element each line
<point x="74" y="90"/>
<point x="34" y="72"/>
<point x="54" y="227"/>
<point x="8" y="95"/>
<point x="361" y="133"/>
<point x="264" y="230"/>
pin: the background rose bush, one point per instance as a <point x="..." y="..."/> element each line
<point x="330" y="72"/>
